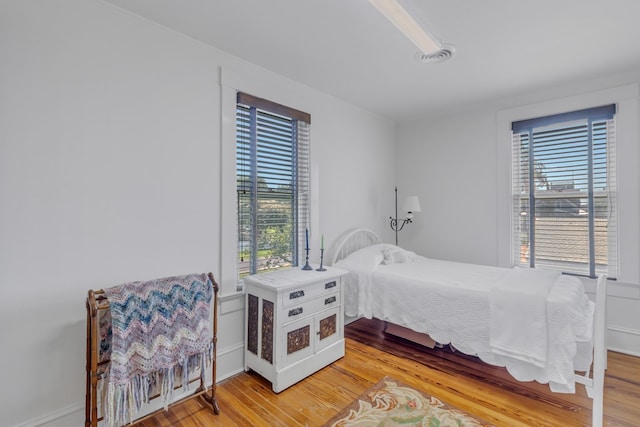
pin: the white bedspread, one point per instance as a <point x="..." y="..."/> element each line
<point x="452" y="303"/>
<point x="518" y="314"/>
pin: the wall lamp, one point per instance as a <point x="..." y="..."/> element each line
<point x="411" y="204"/>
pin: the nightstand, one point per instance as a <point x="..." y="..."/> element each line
<point x="294" y="323"/>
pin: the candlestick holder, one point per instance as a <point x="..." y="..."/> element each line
<point x="321" y="268"/>
<point x="306" y="265"/>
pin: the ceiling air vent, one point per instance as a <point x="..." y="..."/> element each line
<point x="440" y="56"/>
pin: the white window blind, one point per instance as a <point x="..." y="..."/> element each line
<point x="272" y="167"/>
<point x="564" y="192"/>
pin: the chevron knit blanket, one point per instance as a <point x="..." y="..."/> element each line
<point x="160" y="335"/>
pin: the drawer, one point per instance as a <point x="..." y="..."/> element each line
<point x="296" y="296"/>
<point x="310" y="307"/>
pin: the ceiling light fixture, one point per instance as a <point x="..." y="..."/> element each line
<point x="399" y="17"/>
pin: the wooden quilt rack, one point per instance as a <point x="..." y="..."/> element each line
<point x="97" y="302"/>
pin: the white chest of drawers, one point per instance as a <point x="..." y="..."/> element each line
<point x="294" y="323"/>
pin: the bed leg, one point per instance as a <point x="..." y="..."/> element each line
<point x="599" y="354"/>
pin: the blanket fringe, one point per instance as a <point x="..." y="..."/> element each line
<point x="121" y="402"/>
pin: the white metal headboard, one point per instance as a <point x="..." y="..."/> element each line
<point x="354" y="240"/>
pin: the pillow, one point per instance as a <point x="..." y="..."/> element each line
<point x="396" y="255"/>
<point x="366" y="258"/>
<point x="387" y="257"/>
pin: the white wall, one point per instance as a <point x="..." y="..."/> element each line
<point x="111" y="170"/>
<point x="450" y="163"/>
<point x="459" y="166"/>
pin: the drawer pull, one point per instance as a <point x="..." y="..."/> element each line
<point x="296" y="294"/>
<point x="330" y="285"/>
<point x="295" y="311"/>
<point x="330" y="300"/>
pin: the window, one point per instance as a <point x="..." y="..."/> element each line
<point x="564" y="192"/>
<point x="272" y="171"/>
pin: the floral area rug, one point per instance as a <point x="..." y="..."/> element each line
<point x="392" y="403"/>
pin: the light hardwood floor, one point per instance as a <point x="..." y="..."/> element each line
<point x="485" y="391"/>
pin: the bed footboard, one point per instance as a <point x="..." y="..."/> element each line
<point x="595" y="383"/>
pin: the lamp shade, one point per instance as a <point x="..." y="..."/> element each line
<point x="411" y="204"/>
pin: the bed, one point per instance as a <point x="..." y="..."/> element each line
<point x="540" y="325"/>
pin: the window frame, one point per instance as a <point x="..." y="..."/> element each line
<point x="258" y="109"/>
<point x="573" y="133"/>
<point x="559" y="100"/>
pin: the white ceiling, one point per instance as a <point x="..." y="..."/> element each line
<point x="346" y="48"/>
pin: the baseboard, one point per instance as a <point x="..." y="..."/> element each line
<point x="409" y="334"/>
<point x="230" y="362"/>
<point x="348" y="319"/>
<point x="623" y="351"/>
<point x="623" y="340"/>
<point x="63" y="417"/>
